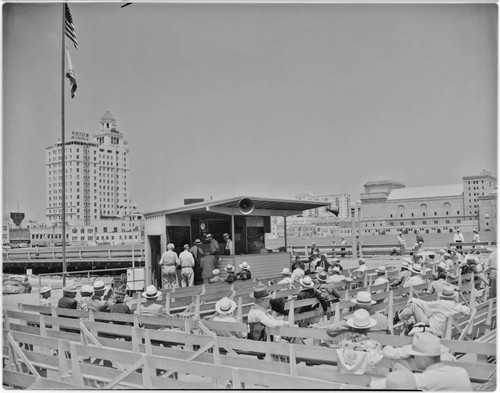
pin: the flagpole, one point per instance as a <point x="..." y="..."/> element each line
<point x="63" y="149"/>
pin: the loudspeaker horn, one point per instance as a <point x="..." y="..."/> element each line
<point x="335" y="210"/>
<point x="245" y="206"/>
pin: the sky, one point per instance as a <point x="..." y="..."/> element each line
<point x="267" y="100"/>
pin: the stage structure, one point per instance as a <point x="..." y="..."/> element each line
<point x="245" y="219"/>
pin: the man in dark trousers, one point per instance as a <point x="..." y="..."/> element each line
<point x="197" y="252"/>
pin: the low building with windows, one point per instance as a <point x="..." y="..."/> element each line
<point x="389" y="206"/>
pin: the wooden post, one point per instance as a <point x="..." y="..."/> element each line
<point x="75" y="366"/>
<point x="390" y="312"/>
<point x="167" y="302"/>
<point x="489" y="316"/>
<point x="239" y="313"/>
<point x="449" y="328"/>
<point x="291" y="316"/>
<point x="293" y="361"/>
<point x="197" y="308"/>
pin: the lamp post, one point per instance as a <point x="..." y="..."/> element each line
<point x="352" y="208"/>
<point x="358" y="205"/>
<point x="132" y="217"/>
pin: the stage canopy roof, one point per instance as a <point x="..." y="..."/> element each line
<point x="262" y="207"/>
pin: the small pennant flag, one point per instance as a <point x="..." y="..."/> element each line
<point x="69" y="27"/>
<point x="71" y="76"/>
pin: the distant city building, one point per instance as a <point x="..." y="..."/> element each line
<point x="388" y="206"/>
<point x="98" y="204"/>
<point x="5" y="230"/>
<point x="315" y="222"/>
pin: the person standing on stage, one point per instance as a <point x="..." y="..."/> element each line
<point x="197" y="252"/>
<point x="228" y="249"/>
<point x="187" y="263"/>
<point x="168" y="263"/>
<point x="214" y="244"/>
<point x="258" y="246"/>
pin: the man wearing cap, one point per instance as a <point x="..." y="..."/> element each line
<point x="168" y="264"/>
<point x="96" y="302"/>
<point x="45" y="293"/>
<point x="363" y="300"/>
<point x="119" y="305"/>
<point x="258" y="316"/>
<point x="228" y="249"/>
<point x="431" y="314"/>
<point x="197" y="252"/>
<point x="214" y="244"/>
<point x="416" y="276"/>
<point x="245" y="273"/>
<point x="186" y="261"/>
<point x="381" y="276"/>
<point x="402" y="243"/>
<point x="216" y="278"/>
<point x="458" y="238"/>
<point x="426" y="353"/>
<point x="68" y="299"/>
<point x="403" y="275"/>
<point x="287" y="276"/>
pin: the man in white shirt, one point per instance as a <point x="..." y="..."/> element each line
<point x="168" y="264"/>
<point x="187" y="263"/>
<point x="402" y="243"/>
<point x="432" y="314"/>
<point x="228" y="249"/>
<point x="458" y="238"/>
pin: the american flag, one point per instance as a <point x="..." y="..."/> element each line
<point x="69" y="27"/>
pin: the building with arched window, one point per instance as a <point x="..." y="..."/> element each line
<point x="388" y="206"/>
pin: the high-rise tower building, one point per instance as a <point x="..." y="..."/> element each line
<point x="96" y="176"/>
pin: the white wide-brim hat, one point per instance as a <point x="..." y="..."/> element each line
<point x="306" y="282"/>
<point x="425" y="344"/>
<point x="244" y="265"/>
<point x="225" y="306"/>
<point x="151" y="292"/>
<point x="361" y="320"/>
<point x="363" y="298"/>
<point x="416" y="268"/>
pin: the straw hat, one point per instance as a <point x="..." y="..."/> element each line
<point x="405" y="264"/>
<point x="425" y="344"/>
<point x="322" y="277"/>
<point x="45" y="289"/>
<point x="361" y="320"/>
<point x="225" y="306"/>
<point x="98" y="285"/>
<point x="225" y="235"/>
<point x="86" y="289"/>
<point x="198" y="241"/>
<point x="448" y="293"/>
<point x="245" y="265"/>
<point x="306" y="282"/>
<point x="363" y="298"/>
<point x="208" y="235"/>
<point x="380" y="269"/>
<point x="336" y="269"/>
<point x="229" y="268"/>
<point x="151" y="292"/>
<point x="441" y="265"/>
<point x="216" y="272"/>
<point x="70" y="288"/>
<point x="286" y="271"/>
<point x="416" y="268"/>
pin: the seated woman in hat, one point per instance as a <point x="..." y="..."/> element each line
<point x="259" y="317"/>
<point x="119" y="305"/>
<point x="308" y="291"/>
<point x="231" y="275"/>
